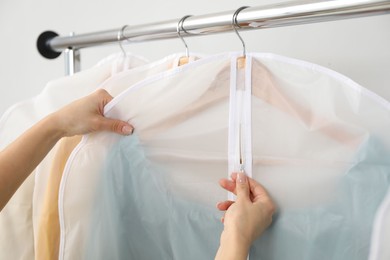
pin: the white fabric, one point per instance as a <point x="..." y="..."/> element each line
<point x="319" y="144"/>
<point x="16" y="219"/>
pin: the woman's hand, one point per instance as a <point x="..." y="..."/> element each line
<point x="246" y="218"/>
<point x="86" y="115"/>
<point x="82" y="116"/>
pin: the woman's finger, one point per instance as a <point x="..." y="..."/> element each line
<point x="228" y="185"/>
<point x="224" y="205"/>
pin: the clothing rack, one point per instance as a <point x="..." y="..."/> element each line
<point x="51" y="45"/>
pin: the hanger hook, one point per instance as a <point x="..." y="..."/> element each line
<point x="120" y="37"/>
<point x="179" y="28"/>
<point x="235" y="25"/>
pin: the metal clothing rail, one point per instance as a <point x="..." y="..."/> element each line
<point x="50" y="45"/>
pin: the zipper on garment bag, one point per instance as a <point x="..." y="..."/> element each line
<point x="239" y="154"/>
<point x="241" y="163"/>
<point x="240" y="116"/>
<point x="243" y="123"/>
<point x="239" y="146"/>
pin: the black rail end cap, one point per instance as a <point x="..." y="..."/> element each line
<point x="44" y="47"/>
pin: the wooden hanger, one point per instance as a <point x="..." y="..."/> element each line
<point x="183" y="61"/>
<point x="179" y="28"/>
<point x="235" y="25"/>
<point x="269" y="91"/>
<point x="266" y="88"/>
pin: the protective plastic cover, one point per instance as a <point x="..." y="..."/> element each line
<point x="49" y="172"/>
<point x="319" y="144"/>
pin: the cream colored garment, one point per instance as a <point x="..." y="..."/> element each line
<point x="16" y="219"/>
<point x="48" y="225"/>
<point x="315" y="145"/>
<point x="48" y="231"/>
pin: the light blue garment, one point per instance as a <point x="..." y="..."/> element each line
<point x="339" y="230"/>
<point x="136" y="217"/>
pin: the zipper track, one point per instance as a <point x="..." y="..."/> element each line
<point x="240" y="141"/>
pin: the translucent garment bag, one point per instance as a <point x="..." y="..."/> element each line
<point x="49" y="174"/>
<point x="16" y="219"/>
<point x="81" y="176"/>
<point x="316" y="140"/>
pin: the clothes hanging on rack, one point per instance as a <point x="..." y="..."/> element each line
<point x="18" y="216"/>
<point x="315" y="146"/>
<point x="47" y="231"/>
<point x="315" y="139"/>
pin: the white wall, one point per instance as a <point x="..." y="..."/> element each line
<point x="358" y="48"/>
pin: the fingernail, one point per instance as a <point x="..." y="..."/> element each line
<point x="127" y="130"/>
<point x="241" y="177"/>
<point x="233" y="175"/>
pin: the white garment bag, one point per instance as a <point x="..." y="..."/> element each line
<point x="315" y="139"/>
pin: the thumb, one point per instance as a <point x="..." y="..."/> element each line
<point x="116" y="126"/>
<point x="242" y="186"/>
